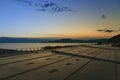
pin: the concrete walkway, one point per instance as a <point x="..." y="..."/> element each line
<point x="75" y="63"/>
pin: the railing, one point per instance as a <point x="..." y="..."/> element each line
<point x="32" y="50"/>
<point x="20" y="50"/>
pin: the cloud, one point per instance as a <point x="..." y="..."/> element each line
<point x="109" y="31"/>
<point x="103" y="16"/>
<point x="99" y="30"/>
<point x="106" y="30"/>
<point x="44" y="5"/>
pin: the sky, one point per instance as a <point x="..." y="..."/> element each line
<point x="81" y="19"/>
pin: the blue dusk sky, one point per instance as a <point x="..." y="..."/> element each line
<point x="59" y="18"/>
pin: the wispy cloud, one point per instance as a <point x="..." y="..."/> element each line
<point x="107" y="30"/>
<point x="45" y="5"/>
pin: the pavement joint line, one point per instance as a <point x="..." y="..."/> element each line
<point x="25" y="60"/>
<point x="78" y="69"/>
<point x="100" y="47"/>
<point x="81" y="67"/>
<point x="84" y="56"/>
<point x="16" y="56"/>
<point x="116" y="71"/>
<point x="5" y="78"/>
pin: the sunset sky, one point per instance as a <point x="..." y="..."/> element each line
<point x="86" y="19"/>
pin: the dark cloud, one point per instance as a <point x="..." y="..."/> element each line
<point x="103" y="16"/>
<point x="43" y="5"/>
<point x="106" y="30"/>
<point x="99" y="30"/>
<point x="109" y="31"/>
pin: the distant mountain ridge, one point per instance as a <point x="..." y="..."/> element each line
<point x="78" y="41"/>
<point x="39" y="40"/>
<point x="22" y="40"/>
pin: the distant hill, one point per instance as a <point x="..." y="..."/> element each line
<point x="78" y="41"/>
<point x="115" y="40"/>
<point x="45" y="40"/>
<point x="22" y="40"/>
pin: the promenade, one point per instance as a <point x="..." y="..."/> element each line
<point x="91" y="62"/>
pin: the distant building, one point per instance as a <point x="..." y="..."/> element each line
<point x="115" y="40"/>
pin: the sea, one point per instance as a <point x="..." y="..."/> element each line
<point x="33" y="45"/>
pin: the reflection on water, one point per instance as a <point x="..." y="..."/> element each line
<point x="33" y="45"/>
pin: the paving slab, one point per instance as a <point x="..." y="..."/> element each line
<point x="24" y="57"/>
<point x="21" y="67"/>
<point x="118" y="65"/>
<point x="57" y="71"/>
<point x="95" y="70"/>
<point x="101" y="64"/>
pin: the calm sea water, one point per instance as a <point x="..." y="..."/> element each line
<point x="33" y="45"/>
